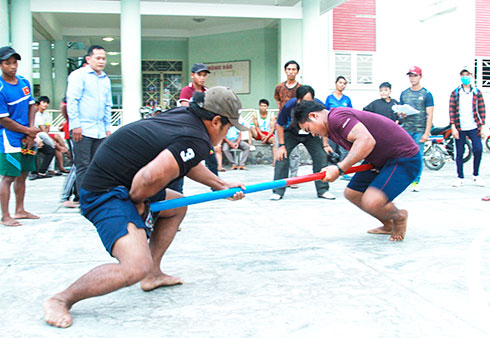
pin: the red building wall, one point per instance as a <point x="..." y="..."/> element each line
<point x="482" y="34"/>
<point x="354" y="26"/>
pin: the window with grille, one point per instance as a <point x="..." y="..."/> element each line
<point x="357" y="68"/>
<point x="343" y="65"/>
<point x="485" y="65"/>
<point x="162" y="82"/>
<point x="364" y="68"/>
<point x="482" y="72"/>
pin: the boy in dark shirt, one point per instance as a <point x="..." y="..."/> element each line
<point x="384" y="105"/>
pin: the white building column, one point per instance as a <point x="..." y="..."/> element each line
<point x="131" y="59"/>
<point x="4" y="23"/>
<point x="290" y="46"/>
<point x="21" y="33"/>
<point x="60" y="71"/>
<point x="46" y="70"/>
<point x="315" y="47"/>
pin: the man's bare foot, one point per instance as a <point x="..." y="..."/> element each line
<point x="70" y="204"/>
<point x="152" y="282"/>
<point x="25" y="215"/>
<point x="399" y="227"/>
<point x="10" y="222"/>
<point x="385" y="229"/>
<point x="382" y="230"/>
<point x="56" y="313"/>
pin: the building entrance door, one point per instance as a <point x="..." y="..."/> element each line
<point x="162" y="82"/>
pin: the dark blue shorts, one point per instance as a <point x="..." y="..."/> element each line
<point x="110" y="212"/>
<point x="392" y="179"/>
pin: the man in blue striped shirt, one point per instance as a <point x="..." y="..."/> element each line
<point x="89" y="102"/>
<point x="17" y="133"/>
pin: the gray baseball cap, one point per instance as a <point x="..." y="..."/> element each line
<point x="7" y="52"/>
<point x="224" y="102"/>
<point x="199" y="67"/>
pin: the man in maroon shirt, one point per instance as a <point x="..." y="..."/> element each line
<point x="199" y="74"/>
<point x="378" y="141"/>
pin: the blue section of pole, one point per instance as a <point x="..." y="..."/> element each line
<point x="215" y="195"/>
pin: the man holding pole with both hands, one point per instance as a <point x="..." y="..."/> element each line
<point x="380" y="142"/>
<point x="391" y="163"/>
<point x="132" y="168"/>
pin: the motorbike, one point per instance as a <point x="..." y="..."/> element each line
<point x="440" y="148"/>
<point x="147" y="111"/>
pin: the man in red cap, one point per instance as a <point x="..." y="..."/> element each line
<point x="417" y="125"/>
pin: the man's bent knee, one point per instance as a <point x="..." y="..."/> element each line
<point x="352" y="195"/>
<point x="373" y="199"/>
<point x="136" y="271"/>
<point x="176" y="212"/>
<point x="133" y="254"/>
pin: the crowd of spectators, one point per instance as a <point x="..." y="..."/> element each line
<point x="87" y="122"/>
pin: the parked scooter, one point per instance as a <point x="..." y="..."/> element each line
<point x="441" y="148"/>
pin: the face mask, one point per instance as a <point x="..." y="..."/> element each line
<point x="466" y="80"/>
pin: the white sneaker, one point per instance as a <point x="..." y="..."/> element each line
<point x="458" y="183"/>
<point x="478" y="181"/>
<point x="327" y="195"/>
<point x="275" y="197"/>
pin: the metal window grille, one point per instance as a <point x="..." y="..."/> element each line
<point x="357" y="68"/>
<point x="364" y="68"/>
<point x="343" y="65"/>
<point x="162" y="82"/>
<point x="161" y="66"/>
<point x="486" y="73"/>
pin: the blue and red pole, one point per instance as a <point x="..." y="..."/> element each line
<point x="216" y="195"/>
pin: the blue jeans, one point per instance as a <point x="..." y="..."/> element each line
<point x="477" y="151"/>
<point x="416" y="137"/>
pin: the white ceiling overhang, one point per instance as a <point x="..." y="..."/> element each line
<point x="171" y="9"/>
<point x="159" y="18"/>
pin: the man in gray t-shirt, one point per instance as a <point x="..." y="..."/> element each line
<point x="417" y="125"/>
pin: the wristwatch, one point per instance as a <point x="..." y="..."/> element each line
<point x="341" y="172"/>
<point x="281" y="144"/>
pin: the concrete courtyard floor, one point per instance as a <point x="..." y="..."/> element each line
<point x="299" y="267"/>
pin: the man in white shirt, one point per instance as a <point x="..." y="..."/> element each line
<point x="43" y="122"/>
<point x="467" y="117"/>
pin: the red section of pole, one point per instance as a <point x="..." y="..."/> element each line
<point x="305" y="178"/>
<point x="356" y="169"/>
<point x="321" y="174"/>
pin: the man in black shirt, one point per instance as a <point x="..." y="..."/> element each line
<point x="130" y="170"/>
<point x="384" y="105"/>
